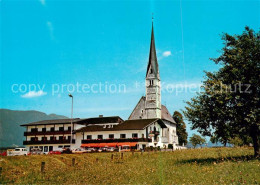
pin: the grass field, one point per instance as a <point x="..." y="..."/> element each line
<point x="195" y="166"/>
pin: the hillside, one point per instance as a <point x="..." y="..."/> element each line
<point x="11" y="133"/>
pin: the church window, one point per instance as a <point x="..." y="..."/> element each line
<point x="151" y="71"/>
<point x="151" y="82"/>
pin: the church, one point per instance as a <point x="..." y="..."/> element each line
<point x="149" y="125"/>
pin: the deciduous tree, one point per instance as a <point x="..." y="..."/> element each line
<point x="229" y="104"/>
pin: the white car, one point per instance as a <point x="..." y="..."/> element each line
<point x="17" y="151"/>
<point x="110" y="149"/>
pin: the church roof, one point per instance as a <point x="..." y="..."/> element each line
<point x="153" y="58"/>
<point x="166" y="114"/>
<point x="139" y="124"/>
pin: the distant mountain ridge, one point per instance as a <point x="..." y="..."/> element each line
<point x="11" y="133"/>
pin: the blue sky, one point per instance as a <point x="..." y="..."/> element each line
<point x="46" y="42"/>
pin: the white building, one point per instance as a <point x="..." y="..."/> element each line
<point x="150" y="123"/>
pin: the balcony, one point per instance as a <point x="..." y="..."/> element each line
<point x="116" y="140"/>
<point x="56" y="132"/>
<point x="65" y="141"/>
<point x="155" y="132"/>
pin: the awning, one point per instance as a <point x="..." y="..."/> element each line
<point x="127" y="144"/>
<point x="111" y="144"/>
<point x="95" y="145"/>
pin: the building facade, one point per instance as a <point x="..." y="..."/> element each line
<point x="149" y="125"/>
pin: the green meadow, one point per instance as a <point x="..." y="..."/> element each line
<point x="192" y="166"/>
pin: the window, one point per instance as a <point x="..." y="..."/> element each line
<point x="43" y="129"/>
<point x="100" y="136"/>
<point x="60" y="137"/>
<point x="50" y="148"/>
<point x="122" y="136"/>
<point x="69" y="138"/>
<point x="151" y="82"/>
<point x="111" y="136"/>
<point x="34" y="130"/>
<point x="44" y="138"/>
<point x="61" y="128"/>
<point x="134" y="135"/>
<point x="45" y="148"/>
<point x="89" y="136"/>
<point x="151" y="71"/>
<point x="52" y="129"/>
<point x="69" y="128"/>
<point x="53" y="138"/>
<point x="142" y="135"/>
<point x="60" y="146"/>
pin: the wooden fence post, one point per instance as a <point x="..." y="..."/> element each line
<point x="122" y="155"/>
<point x="112" y="157"/>
<point x="73" y="161"/>
<point x="42" y="167"/>
<point x="1" y="169"/>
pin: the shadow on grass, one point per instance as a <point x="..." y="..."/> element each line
<point x="211" y="160"/>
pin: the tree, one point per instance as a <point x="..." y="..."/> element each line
<point x="229" y="103"/>
<point x="236" y="141"/>
<point x="181" y="128"/>
<point x="197" y="140"/>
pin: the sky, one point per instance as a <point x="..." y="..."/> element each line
<point x="98" y="51"/>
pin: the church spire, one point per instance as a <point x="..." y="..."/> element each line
<point x="152" y="67"/>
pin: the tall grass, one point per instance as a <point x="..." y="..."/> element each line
<point x="196" y="166"/>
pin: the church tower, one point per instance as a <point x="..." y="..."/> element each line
<point x="153" y="84"/>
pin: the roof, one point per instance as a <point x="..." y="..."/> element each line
<point x="102" y="120"/>
<point x="166" y="115"/>
<point x="139" y="124"/>
<point x="85" y="121"/>
<point x="152" y="57"/>
<point x="51" y="122"/>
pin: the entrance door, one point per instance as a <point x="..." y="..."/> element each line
<point x="45" y="148"/>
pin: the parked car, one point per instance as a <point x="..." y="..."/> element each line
<point x="90" y="150"/>
<point x="111" y="149"/>
<point x="17" y="151"/>
<point x="78" y="151"/>
<point x="35" y="151"/>
<point x="125" y="148"/>
<point x="3" y="153"/>
<point x="54" y="152"/>
<point x="66" y="151"/>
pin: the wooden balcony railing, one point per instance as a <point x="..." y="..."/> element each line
<point x="56" y="132"/>
<point x="85" y="141"/>
<point x="65" y="141"/>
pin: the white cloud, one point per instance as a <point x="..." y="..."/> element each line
<point x="167" y="53"/>
<point x="42" y="2"/>
<point x="32" y="94"/>
<point x="50" y="27"/>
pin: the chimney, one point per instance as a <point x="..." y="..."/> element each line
<point x="101" y="116"/>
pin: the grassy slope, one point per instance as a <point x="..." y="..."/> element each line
<point x="196" y="166"/>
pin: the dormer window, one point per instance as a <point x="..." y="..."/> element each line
<point x="151" y="71"/>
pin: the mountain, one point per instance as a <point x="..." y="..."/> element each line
<point x="11" y="133"/>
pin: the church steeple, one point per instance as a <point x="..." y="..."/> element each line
<point x="152" y="67"/>
<point x="153" y="84"/>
